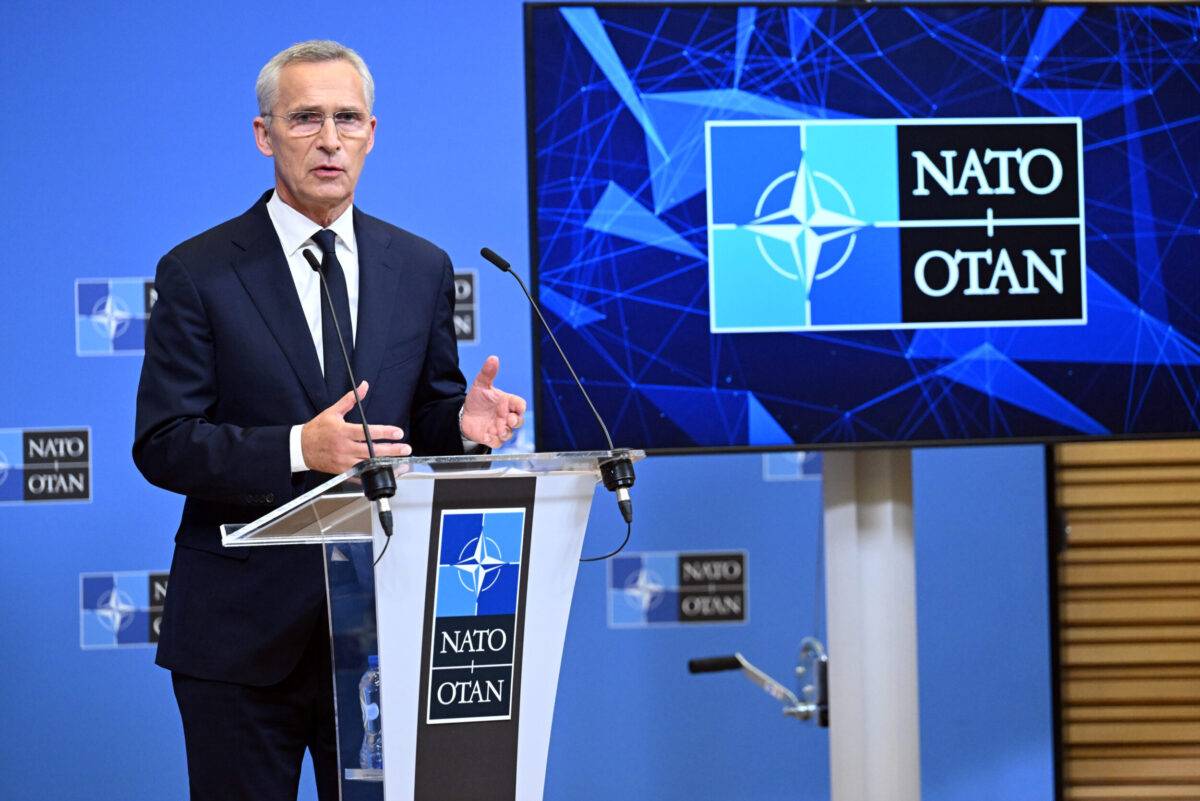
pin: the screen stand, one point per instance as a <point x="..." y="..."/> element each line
<point x="871" y="601"/>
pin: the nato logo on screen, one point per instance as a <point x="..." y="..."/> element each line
<point x="122" y="609"/>
<point x="472" y="653"/>
<point x="658" y="588"/>
<point x="881" y="224"/>
<point x="45" y="465"/>
<point x="111" y="315"/>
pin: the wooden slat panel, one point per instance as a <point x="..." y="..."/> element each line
<point x="1154" y="452"/>
<point x="1095" y="771"/>
<point x="1145" y="713"/>
<point x="1104" y="474"/>
<point x="1126" y="594"/>
<point x="1190" y="672"/>
<point x="1135" y="751"/>
<point x="1136" y="633"/>
<point x="1129" y="732"/>
<point x="1153" y="611"/>
<point x="1135" y="792"/>
<point x="1158" y="653"/>
<point x="1134" y="530"/>
<point x="1137" y="573"/>
<point x="1131" y="691"/>
<point x="1166" y="493"/>
<point x="1184" y="514"/>
<point x="1131" y="553"/>
<point x="1129" y="614"/>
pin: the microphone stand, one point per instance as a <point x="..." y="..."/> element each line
<point x="378" y="480"/>
<point x="616" y="472"/>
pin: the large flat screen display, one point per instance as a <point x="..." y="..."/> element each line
<point x="824" y="225"/>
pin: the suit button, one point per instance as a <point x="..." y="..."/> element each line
<point x="270" y="497"/>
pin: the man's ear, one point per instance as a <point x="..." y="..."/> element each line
<point x="262" y="137"/>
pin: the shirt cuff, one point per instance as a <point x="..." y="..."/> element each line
<point x="296" y="450"/>
<point x="473" y="448"/>
<point x="470" y="446"/>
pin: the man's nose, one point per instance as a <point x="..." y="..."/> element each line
<point x="327" y="137"/>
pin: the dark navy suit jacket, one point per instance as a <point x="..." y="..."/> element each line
<point x="230" y="367"/>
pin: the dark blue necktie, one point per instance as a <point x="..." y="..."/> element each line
<point x="337" y="379"/>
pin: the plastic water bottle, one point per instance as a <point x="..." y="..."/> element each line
<point x="371" y="753"/>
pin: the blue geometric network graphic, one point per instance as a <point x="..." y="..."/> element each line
<point x="620" y="98"/>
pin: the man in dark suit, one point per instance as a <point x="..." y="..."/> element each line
<point x="242" y="406"/>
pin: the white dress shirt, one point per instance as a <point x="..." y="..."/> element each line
<point x="295" y="232"/>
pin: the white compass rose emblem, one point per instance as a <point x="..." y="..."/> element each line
<point x="115" y="610"/>
<point x="110" y="316"/>
<point x="644" y="590"/>
<point x="803" y="224"/>
<point x="479" y="565"/>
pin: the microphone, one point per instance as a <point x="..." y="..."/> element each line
<point x="616" y="472"/>
<point x="378" y="480"/>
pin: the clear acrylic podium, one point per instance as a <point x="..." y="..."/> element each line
<point x="466" y="608"/>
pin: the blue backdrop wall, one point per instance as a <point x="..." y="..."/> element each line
<point x="128" y="131"/>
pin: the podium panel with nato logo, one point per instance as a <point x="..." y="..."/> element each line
<point x="464" y="613"/>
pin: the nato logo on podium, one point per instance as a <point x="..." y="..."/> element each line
<point x="471" y="663"/>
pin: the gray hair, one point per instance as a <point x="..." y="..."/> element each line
<point x="267" y="85"/>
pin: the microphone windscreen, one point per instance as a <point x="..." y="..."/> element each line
<point x="313" y="261"/>
<point x="495" y="259"/>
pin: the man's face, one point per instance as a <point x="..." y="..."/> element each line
<point x="316" y="174"/>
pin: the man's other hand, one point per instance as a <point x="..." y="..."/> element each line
<point x="491" y="415"/>
<point x="331" y="445"/>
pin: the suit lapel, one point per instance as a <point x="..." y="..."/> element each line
<point x="378" y="282"/>
<point x="264" y="273"/>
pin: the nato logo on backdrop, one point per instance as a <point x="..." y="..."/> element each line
<point x="122" y="609"/>
<point x="45" y="465"/>
<point x="466" y="306"/>
<point x="472" y="655"/>
<point x="111" y="315"/>
<point x="883" y="224"/>
<point x="658" y="588"/>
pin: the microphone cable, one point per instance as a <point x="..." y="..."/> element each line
<point x="617" y="472"/>
<point x="611" y="554"/>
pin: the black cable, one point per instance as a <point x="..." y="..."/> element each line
<point x="611" y="554"/>
<point x="386" y="542"/>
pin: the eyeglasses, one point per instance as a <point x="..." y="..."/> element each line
<point x="308" y="123"/>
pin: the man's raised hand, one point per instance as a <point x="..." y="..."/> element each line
<point x="491" y="415"/>
<point x="331" y="445"/>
